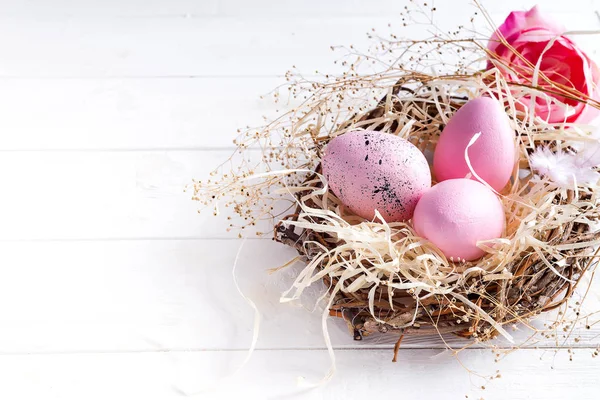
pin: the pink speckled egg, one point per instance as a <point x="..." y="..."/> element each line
<point x="370" y="171"/>
<point x="456" y="214"/>
<point x="492" y="156"/>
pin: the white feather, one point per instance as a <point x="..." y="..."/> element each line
<point x="568" y="169"/>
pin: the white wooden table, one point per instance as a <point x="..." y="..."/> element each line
<point x="112" y="287"/>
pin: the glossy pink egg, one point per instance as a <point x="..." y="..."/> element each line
<point x="370" y="171"/>
<point x="457" y="213"/>
<point x="492" y="156"/>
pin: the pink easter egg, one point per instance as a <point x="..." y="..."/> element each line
<point x="456" y="214"/>
<point x="369" y="170"/>
<point x="492" y="156"/>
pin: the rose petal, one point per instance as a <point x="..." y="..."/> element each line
<point x="530" y="36"/>
<point x="519" y="21"/>
<point x="586" y="112"/>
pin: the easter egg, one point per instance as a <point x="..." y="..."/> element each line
<point x="492" y="156"/>
<point x="456" y="214"/>
<point x="369" y="170"/>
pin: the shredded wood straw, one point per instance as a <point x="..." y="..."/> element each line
<point x="381" y="276"/>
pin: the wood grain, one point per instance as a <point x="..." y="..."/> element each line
<point x="132" y="114"/>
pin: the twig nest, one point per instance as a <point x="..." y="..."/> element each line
<point x="382" y="272"/>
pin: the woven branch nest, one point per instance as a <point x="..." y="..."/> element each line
<point x="478" y="306"/>
<point x="382" y="277"/>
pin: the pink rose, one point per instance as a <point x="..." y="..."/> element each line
<point x="530" y="33"/>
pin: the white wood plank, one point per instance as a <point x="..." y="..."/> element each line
<point x="40" y="114"/>
<point x="387" y="8"/>
<point x="422" y="374"/>
<point x="177" y="295"/>
<point x="96" y="46"/>
<point x="210" y="8"/>
<point x="91" y="195"/>
<point x="108" y="47"/>
<point x="144" y="295"/>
